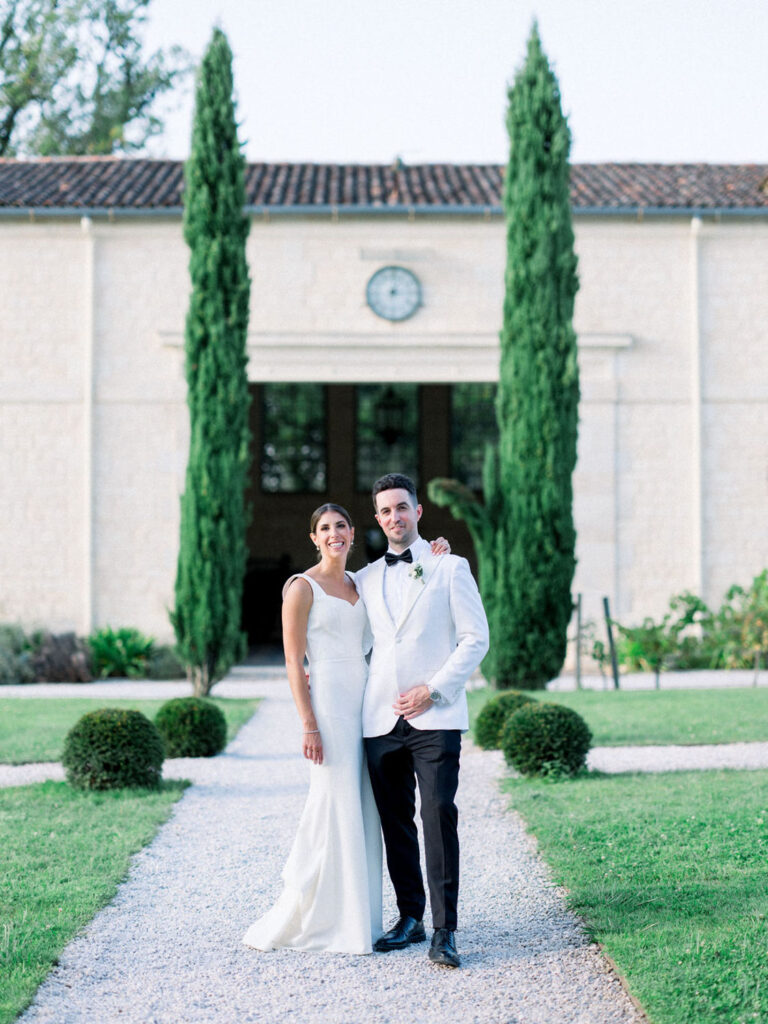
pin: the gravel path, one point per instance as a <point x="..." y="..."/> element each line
<point x="703" y="757"/>
<point x="168" y="949"/>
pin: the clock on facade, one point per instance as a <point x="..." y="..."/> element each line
<point x="393" y="293"/>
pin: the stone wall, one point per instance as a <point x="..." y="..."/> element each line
<point x="672" y="319"/>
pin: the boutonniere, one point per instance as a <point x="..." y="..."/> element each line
<point x="416" y="572"/>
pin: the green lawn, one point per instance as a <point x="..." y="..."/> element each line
<point x="33" y="728"/>
<point x="64" y="854"/>
<point x="642" y="717"/>
<point x="670" y="874"/>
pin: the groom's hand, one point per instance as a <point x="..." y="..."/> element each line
<point x="413" y="702"/>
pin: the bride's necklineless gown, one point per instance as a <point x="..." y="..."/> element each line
<point x="331" y="901"/>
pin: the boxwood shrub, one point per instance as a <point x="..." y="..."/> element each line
<point x="546" y="739"/>
<point x="113" y="748"/>
<point x="191" y="727"/>
<point x="491" y="718"/>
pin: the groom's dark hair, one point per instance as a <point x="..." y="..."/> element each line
<point x="391" y="482"/>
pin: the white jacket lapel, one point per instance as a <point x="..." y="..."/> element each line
<point x="417" y="583"/>
<point x="377" y="588"/>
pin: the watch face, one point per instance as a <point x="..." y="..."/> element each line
<point x="394" y="293"/>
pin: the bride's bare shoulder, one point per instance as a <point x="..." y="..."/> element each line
<point x="303" y="592"/>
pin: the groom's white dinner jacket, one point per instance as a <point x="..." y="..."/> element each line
<point x="440" y="637"/>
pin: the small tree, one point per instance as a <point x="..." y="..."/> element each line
<point x="523" y="531"/>
<point x="212" y="552"/>
<point x="746" y="615"/>
<point x="674" y="641"/>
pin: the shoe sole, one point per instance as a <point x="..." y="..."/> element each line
<point x="444" y="963"/>
<point x="390" y="947"/>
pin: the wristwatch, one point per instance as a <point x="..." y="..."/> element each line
<point x="434" y="695"/>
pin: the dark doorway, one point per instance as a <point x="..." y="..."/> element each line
<point x="313" y="443"/>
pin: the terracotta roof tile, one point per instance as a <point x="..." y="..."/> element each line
<point x="118" y="183"/>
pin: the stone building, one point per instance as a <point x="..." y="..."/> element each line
<point x="356" y="370"/>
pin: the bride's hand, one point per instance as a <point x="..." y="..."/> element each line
<point x="312" y="746"/>
<point x="440" y="546"/>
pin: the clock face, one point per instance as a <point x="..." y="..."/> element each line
<point x="394" y="293"/>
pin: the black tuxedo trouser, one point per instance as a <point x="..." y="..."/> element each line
<point x="395" y="762"/>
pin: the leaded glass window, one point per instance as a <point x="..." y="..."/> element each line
<point x="294" y="438"/>
<point x="387" y="438"/>
<point x="473" y="425"/>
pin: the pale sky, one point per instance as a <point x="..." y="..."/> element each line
<point x="363" y="81"/>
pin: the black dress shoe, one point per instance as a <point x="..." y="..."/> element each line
<point x="405" y="931"/>
<point x="443" y="949"/>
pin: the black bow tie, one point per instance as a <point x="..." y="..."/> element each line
<point x="390" y="558"/>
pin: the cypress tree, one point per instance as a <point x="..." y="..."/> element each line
<point x="524" y="532"/>
<point x="212" y="551"/>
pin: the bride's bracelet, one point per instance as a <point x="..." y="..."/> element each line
<point x="310" y="732"/>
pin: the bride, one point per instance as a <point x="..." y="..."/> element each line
<point x="331" y="900"/>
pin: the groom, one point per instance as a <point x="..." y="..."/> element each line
<point x="429" y="634"/>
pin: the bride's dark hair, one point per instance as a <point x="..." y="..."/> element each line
<point x="328" y="507"/>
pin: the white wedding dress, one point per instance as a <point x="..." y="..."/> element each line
<point x="331" y="901"/>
